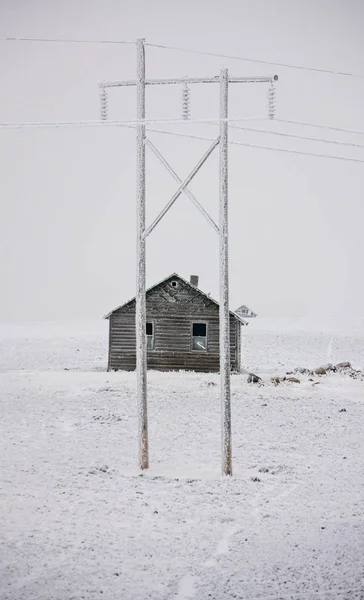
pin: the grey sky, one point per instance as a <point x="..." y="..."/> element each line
<point x="67" y="196"/>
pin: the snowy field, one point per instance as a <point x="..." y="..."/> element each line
<point x="78" y="521"/>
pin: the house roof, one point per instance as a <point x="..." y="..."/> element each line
<point x="244" y="307"/>
<point x="176" y="276"/>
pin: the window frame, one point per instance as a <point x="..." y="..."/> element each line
<point x="200" y="322"/>
<point x="150" y="336"/>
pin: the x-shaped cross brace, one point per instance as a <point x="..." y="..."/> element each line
<point x="182" y="187"/>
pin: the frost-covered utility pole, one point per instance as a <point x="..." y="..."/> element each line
<point x="143" y="231"/>
<point x="227" y="468"/>
<point x="140" y="311"/>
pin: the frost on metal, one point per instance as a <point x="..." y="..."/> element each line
<point x="185" y="102"/>
<point x="104" y="109"/>
<point x="182" y="187"/>
<point x="185" y="190"/>
<point x="140" y="316"/>
<point x="140" y="82"/>
<point x="224" y="282"/>
<point x="271" y="100"/>
<point x="189" y="80"/>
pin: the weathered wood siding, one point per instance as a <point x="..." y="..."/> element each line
<point x="172" y="311"/>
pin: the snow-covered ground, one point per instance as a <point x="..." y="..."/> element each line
<point x="79" y="521"/>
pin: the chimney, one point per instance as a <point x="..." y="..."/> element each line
<point x="194" y="280"/>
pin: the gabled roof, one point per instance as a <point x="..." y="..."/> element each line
<point x="244" y="307"/>
<point x="188" y="283"/>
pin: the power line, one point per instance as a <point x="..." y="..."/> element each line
<point x="298" y="137"/>
<point x="262" y="147"/>
<point x="318" y="126"/>
<point x="114" y="123"/>
<point x="63" y="40"/>
<point x="257" y="61"/>
<point x="55" y="124"/>
<point x="132" y="125"/>
<point x="237" y="143"/>
<point x="187" y="50"/>
<point x="357" y="160"/>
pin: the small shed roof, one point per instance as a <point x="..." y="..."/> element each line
<point x="244" y="307"/>
<point x="175" y="276"/>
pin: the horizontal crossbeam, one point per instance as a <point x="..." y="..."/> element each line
<point x="189" y="80"/>
<point x="181" y="188"/>
<point x="188" y="193"/>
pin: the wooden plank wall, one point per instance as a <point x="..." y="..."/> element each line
<point x="172" y="344"/>
<point x="172" y="310"/>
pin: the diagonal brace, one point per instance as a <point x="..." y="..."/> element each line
<point x="186" y="190"/>
<point x="181" y="188"/>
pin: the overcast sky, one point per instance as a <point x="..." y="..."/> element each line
<point x="67" y="195"/>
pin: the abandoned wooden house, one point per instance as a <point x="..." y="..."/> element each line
<point x="182" y="330"/>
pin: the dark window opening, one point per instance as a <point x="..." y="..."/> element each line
<point x="199" y="337"/>
<point x="174" y="283"/>
<point x="199" y="329"/>
<point x="150" y="336"/>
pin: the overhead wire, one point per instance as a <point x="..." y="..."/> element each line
<point x="287" y="121"/>
<point x="320" y="126"/>
<point x="55" y="124"/>
<point x="133" y="124"/>
<point x="289" y="151"/>
<point x="64" y="40"/>
<point x="260" y="146"/>
<point x="215" y="121"/>
<point x="256" y="60"/>
<point x="239" y="143"/>
<point x="207" y="53"/>
<point x="296" y="136"/>
<point x="211" y="121"/>
<point x="187" y="50"/>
